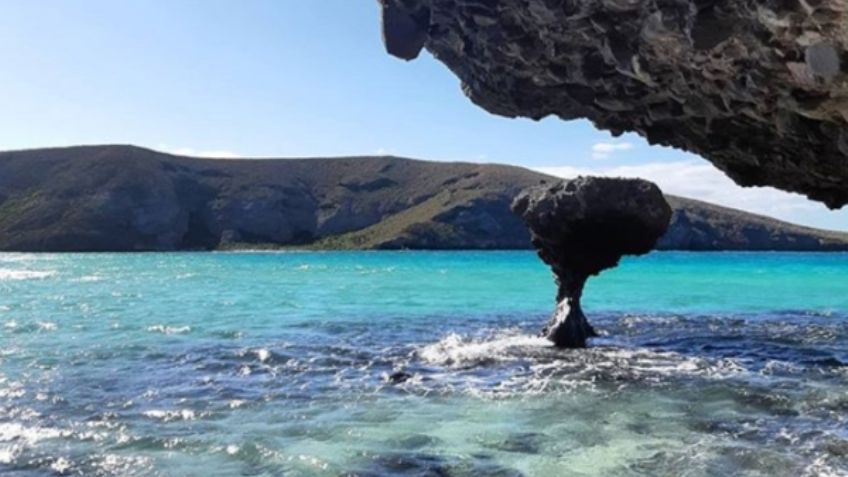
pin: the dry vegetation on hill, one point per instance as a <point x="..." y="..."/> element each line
<point x="100" y="198"/>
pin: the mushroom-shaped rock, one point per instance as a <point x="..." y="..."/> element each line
<point x="583" y="226"/>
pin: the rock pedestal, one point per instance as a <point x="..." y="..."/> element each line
<point x="583" y="226"/>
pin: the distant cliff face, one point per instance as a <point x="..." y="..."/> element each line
<point x="126" y="198"/>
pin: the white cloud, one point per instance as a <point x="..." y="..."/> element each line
<point x="206" y="153"/>
<point x="603" y="150"/>
<point x="700" y="180"/>
<point x="216" y="154"/>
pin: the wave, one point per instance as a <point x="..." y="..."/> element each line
<point x="25" y="257"/>
<point x="9" y="274"/>
<point x="168" y="416"/>
<point x="46" y="326"/>
<point x="169" y="330"/>
<point x="15" y="438"/>
<point x="455" y="350"/>
<point x="510" y="363"/>
<point x="13" y="431"/>
<point x="21" y="328"/>
<point x="820" y="468"/>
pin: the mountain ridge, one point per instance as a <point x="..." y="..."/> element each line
<point x="127" y="198"/>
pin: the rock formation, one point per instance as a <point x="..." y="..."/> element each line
<point x="584" y="226"/>
<point x="758" y="87"/>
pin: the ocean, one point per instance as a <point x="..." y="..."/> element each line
<point x="220" y="364"/>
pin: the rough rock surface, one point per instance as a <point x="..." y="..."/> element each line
<point x="584" y="226"/>
<point x="758" y="87"/>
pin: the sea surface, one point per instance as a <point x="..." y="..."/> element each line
<point x="254" y="364"/>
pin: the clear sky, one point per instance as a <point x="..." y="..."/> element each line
<point x="292" y="78"/>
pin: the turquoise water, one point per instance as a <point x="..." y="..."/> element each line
<point x="278" y="364"/>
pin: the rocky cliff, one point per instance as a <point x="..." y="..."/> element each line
<point x="758" y="87"/>
<point x="127" y="198"/>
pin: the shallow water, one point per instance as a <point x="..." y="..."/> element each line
<point x="277" y="364"/>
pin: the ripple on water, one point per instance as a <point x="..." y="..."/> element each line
<point x="658" y="396"/>
<point x="10" y="274"/>
<point x="457" y="351"/>
<point x="173" y="415"/>
<point x="169" y="330"/>
<point x="511" y="363"/>
<point x="422" y="464"/>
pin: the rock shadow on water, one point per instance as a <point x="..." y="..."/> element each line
<point x="517" y="443"/>
<point x="418" y="464"/>
<point x="416" y="442"/>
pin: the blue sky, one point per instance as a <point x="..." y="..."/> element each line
<point x="288" y="78"/>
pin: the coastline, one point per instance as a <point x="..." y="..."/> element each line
<point x="146" y="200"/>
<point x="273" y="248"/>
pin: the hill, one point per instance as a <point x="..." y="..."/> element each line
<point x="123" y="198"/>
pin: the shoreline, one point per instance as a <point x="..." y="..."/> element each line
<point x="286" y="249"/>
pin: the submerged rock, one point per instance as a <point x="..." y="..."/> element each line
<point x="398" y="377"/>
<point x="583" y="226"/>
<point x="426" y="464"/>
<point x="758" y="87"/>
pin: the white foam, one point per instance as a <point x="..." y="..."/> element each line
<point x="777" y="366"/>
<point x="372" y="271"/>
<point x="545" y="369"/>
<point x="8" y="454"/>
<point x="821" y="468"/>
<point x="169" y="330"/>
<point x="456" y="351"/>
<point x="113" y="464"/>
<point x="307" y="267"/>
<point x="13" y="431"/>
<point x="61" y="465"/>
<point x="47" y="326"/>
<point x="263" y="354"/>
<point x="168" y="416"/>
<point x="24" y="257"/>
<point x="9" y="274"/>
<point x="633" y="321"/>
<point x="13" y="390"/>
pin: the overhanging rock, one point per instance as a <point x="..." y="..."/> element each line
<point x="758" y="87"/>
